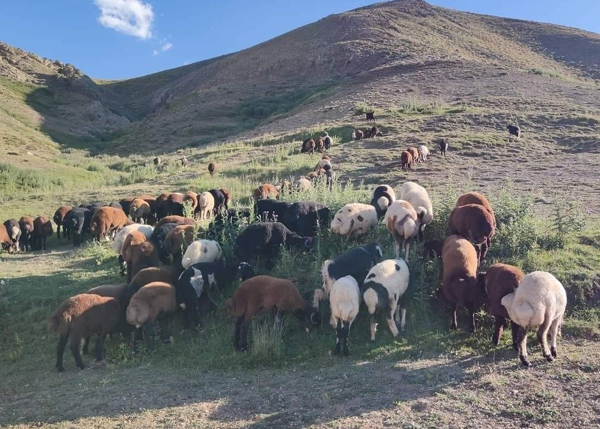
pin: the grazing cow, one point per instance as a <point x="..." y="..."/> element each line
<point x="370" y="116"/>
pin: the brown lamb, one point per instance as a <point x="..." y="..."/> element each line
<point x="264" y="191"/>
<point x="42" y="229"/>
<point x="177" y="240"/>
<point x="139" y="210"/>
<point x="138" y="253"/>
<point x="414" y="152"/>
<point x="474" y="223"/>
<point x="107" y="220"/>
<point x="58" y="218"/>
<point x="26" y="225"/>
<point x="406" y="160"/>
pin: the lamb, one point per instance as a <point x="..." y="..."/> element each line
<point x="261" y="294"/>
<point x="26" y="226"/>
<point x="201" y="251"/>
<point x="222" y="197"/>
<point x="423" y="153"/>
<point x="302" y="184"/>
<point x="406" y="160"/>
<point x="191" y="198"/>
<point x="138" y="253"/>
<point x="357" y="135"/>
<point x="514" y="130"/>
<point x="42" y="229"/>
<point x="245" y="271"/>
<point x="14" y="232"/>
<point x="146" y="276"/>
<point x="414" y="152"/>
<point x="356" y="263"/>
<point x="499" y="281"/>
<point x="330" y="174"/>
<point x="5" y="241"/>
<point x="177" y="240"/>
<point x="157" y="161"/>
<point x="383" y="289"/>
<point x="264" y="191"/>
<point x="474" y="223"/>
<point x="139" y="211"/>
<point x="402" y="222"/>
<point x="460" y="284"/>
<point x="539" y="302"/>
<point x="158" y="239"/>
<point x="370" y="116"/>
<point x="80" y="317"/>
<point x="206" y="205"/>
<point x="268" y="210"/>
<point x="174" y="204"/>
<point x="308" y="146"/>
<point x="383" y="196"/>
<point x="147" y="230"/>
<point x="443" y="146"/>
<point x="108" y="220"/>
<point x="354" y="220"/>
<point x="266" y="238"/>
<point x="418" y="197"/>
<point x="146" y="305"/>
<point x="212" y="167"/>
<point x="306" y="218"/>
<point x="59" y="217"/>
<point x="476" y="198"/>
<point x="78" y="222"/>
<point x="344" y="299"/>
<point x="327" y="141"/>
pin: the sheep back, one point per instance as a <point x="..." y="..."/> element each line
<point x="85" y="315"/>
<point x="500" y="280"/>
<point x="472" y="221"/>
<point x="354" y="219"/>
<point x="150" y="301"/>
<point x="459" y="278"/>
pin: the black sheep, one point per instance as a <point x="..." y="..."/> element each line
<point x="116" y="205"/>
<point x="443" y="147"/>
<point x="220" y="199"/>
<point x="514" y="131"/>
<point x="271" y="209"/>
<point x="228" y="222"/>
<point x="78" y="222"/>
<point x="158" y="239"/>
<point x="245" y="271"/>
<point x="306" y="218"/>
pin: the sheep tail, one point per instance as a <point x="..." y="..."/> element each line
<point x="327" y="280"/>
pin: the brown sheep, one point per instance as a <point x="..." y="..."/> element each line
<point x="261" y="294"/>
<point x="80" y="317"/>
<point x="42" y="229"/>
<point x="112" y="291"/>
<point x="227" y="195"/>
<point x="414" y="152"/>
<point x="107" y="220"/>
<point x="14" y="232"/>
<point x="459" y="280"/>
<point x="5" y="241"/>
<point x="157" y="160"/>
<point x="319" y="145"/>
<point x="161" y="206"/>
<point x="212" y="167"/>
<point x="367" y="133"/>
<point x="177" y="240"/>
<point x="406" y="160"/>
<point x="164" y="274"/>
<point x="474" y="223"/>
<point x="152" y="203"/>
<point x="26" y="225"/>
<point x="125" y="204"/>
<point x="175" y="204"/>
<point x="139" y="210"/>
<point x="192" y="197"/>
<point x="358" y="134"/>
<point x="501" y="280"/>
<point x="138" y="253"/>
<point x="58" y="218"/>
<point x="264" y="191"/>
<point x="175" y="219"/>
<point x="308" y="146"/>
<point x="375" y="132"/>
<point x="476" y="198"/>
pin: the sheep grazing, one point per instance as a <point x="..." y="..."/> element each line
<point x="212" y="167"/>
<point x="499" y="281"/>
<point x="327" y="141"/>
<point x="432" y="248"/>
<point x="157" y="161"/>
<point x="245" y="271"/>
<point x="344" y="300"/>
<point x="382" y="291"/>
<point x="125" y="204"/>
<point x="108" y="220"/>
<point x="383" y="196"/>
<point x="414" y="152"/>
<point x="271" y="210"/>
<point x="191" y="198"/>
<point x="474" y="223"/>
<point x="146" y="305"/>
<point x="266" y="238"/>
<point x="367" y="133"/>
<point x="138" y="253"/>
<point x="179" y="220"/>
<point x="370" y="116"/>
<point x="459" y="280"/>
<point x="423" y="153"/>
<point x="78" y="222"/>
<point x="261" y="294"/>
<point x="147" y="276"/>
<point x="308" y="146"/>
<point x="539" y="302"/>
<point x="206" y="205"/>
<point x="80" y="317"/>
<point x="265" y="191"/>
<point x="356" y="263"/>
<point x="476" y="198"/>
<point x="358" y="134"/>
<point x="42" y="229"/>
<point x="26" y="226"/>
<point x="184" y="162"/>
<point x="177" y="240"/>
<point x="406" y="160"/>
<point x="5" y="241"/>
<point x="139" y="211"/>
<point x="402" y="222"/>
<point x="158" y="239"/>
<point x="375" y="132"/>
<point x="443" y="146"/>
<point x="147" y="230"/>
<point x="160" y="205"/>
<point x="354" y="220"/>
<point x="319" y="145"/>
<point x="201" y="251"/>
<point x="59" y="217"/>
<point x="222" y="199"/>
<point x="418" y="197"/>
<point x="174" y="204"/>
<point x="302" y="184"/>
<point x="14" y="232"/>
<point x="306" y="218"/>
<point x="514" y="130"/>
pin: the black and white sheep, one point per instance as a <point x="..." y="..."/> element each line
<point x="383" y="197"/>
<point x="354" y="220"/>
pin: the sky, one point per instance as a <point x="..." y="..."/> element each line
<point x="117" y="39"/>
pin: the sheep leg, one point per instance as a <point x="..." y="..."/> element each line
<point x="515" y="335"/>
<point x="100" y="348"/>
<point x="123" y="265"/>
<point x="391" y="323"/>
<point x="147" y="331"/>
<point x="542" y="336"/>
<point x="277" y="318"/>
<point x="244" y="336"/>
<point x="454" y="324"/>
<point x="403" y="320"/>
<point x="553" y="335"/>
<point x="338" y="344"/>
<point x="406" y="249"/>
<point x="373" y="327"/>
<point x="44" y="243"/>
<point x="58" y="231"/>
<point x="236" y="333"/>
<point x="75" y="346"/>
<point x="484" y="250"/>
<point x="471" y="308"/>
<point x="346" y="334"/>
<point x="498" y="329"/>
<point x="86" y="344"/>
<point x="396" y="248"/>
<point x="522" y="342"/>
<point x="60" y="348"/>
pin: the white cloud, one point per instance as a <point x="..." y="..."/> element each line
<point x="166" y="46"/>
<point x="131" y="17"/>
<point x="154" y="53"/>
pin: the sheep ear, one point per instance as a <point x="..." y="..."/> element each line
<point x="313" y="319"/>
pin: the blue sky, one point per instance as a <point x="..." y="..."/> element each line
<point x="114" y="39"/>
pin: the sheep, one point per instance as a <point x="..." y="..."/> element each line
<point x="514" y="130"/>
<point x="5" y="241"/>
<point x="358" y="134"/>
<point x="414" y="152"/>
<point x="212" y="167"/>
<point x="26" y="226"/>
<point x="500" y="280"/>
<point x="222" y="197"/>
<point x="306" y="218"/>
<point x="460" y="284"/>
<point x="327" y="141"/>
<point x="322" y="163"/>
<point x="139" y="211"/>
<point x="158" y="239"/>
<point x="177" y="240"/>
<point x="179" y="220"/>
<point x="383" y="196"/>
<point x="184" y="161"/>
<point x="418" y="197"/>
<point x="266" y="238"/>
<point x="261" y="294"/>
<point x="383" y="289"/>
<point x="146" y="305"/>
<point x="406" y="160"/>
<point x="138" y="253"/>
<point x="370" y="116"/>
<point x="344" y="299"/>
<point x="59" y="217"/>
<point x="264" y="191"/>
<point x="302" y="184"/>
<point x="125" y="204"/>
<point x="132" y="240"/>
<point x="227" y="194"/>
<point x="375" y="132"/>
<point x="206" y="205"/>
<point x="474" y="223"/>
<point x="80" y="317"/>
<point x="14" y="232"/>
<point x="367" y="133"/>
<point x="285" y="187"/>
<point x="268" y="210"/>
<point x="245" y="271"/>
<point x="112" y="291"/>
<point x="539" y="302"/>
<point x="157" y="161"/>
<point x="146" y="276"/>
<point x="312" y="176"/>
<point x="354" y="220"/>
<point x="174" y="204"/>
<point x="42" y="229"/>
<point x="330" y="174"/>
<point x="161" y="207"/>
<point x="147" y="230"/>
<point x="308" y="146"/>
<point x="443" y="146"/>
<point x="355" y="262"/>
<point x="476" y="198"/>
<point x="402" y="222"/>
<point x="107" y="220"/>
<point x="201" y="251"/>
<point x="423" y="153"/>
<point x="432" y="248"/>
<point x="319" y="145"/>
<point x="78" y="222"/>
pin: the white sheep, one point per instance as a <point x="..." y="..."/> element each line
<point x="120" y="237"/>
<point x="206" y="205"/>
<point x="402" y="222"/>
<point x="423" y="153"/>
<point x="418" y="197"/>
<point x="539" y="302"/>
<point x="201" y="251"/>
<point x="382" y="289"/>
<point x="354" y="220"/>
<point x="344" y="300"/>
<point x="302" y="184"/>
